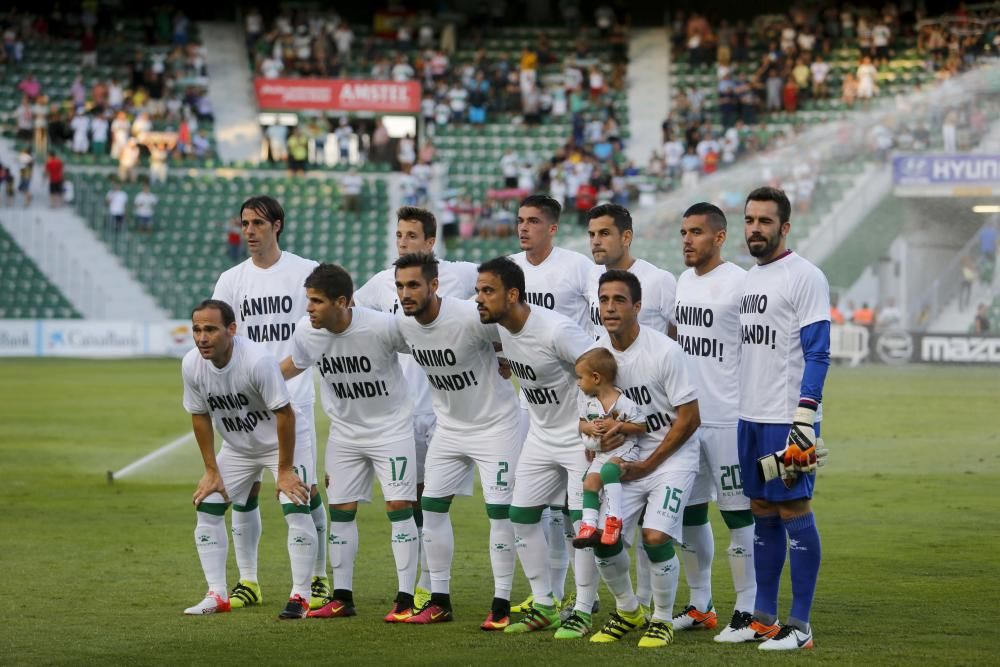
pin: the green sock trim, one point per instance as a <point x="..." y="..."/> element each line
<point x="591" y="500"/>
<point x="526" y="515"/>
<point x="565" y="510"/>
<point x="400" y="515"/>
<point x="342" y="516"/>
<point x="440" y="505"/>
<point x="292" y="508"/>
<point x="737" y="519"/>
<point x="498" y="511"/>
<point x="557" y="508"/>
<point x="250" y="505"/>
<point x="604" y="551"/>
<point x="659" y="553"/>
<point x="215" y="509"/>
<point x="315" y="502"/>
<point x="696" y="515"/>
<point x="611" y="473"/>
<point x="575" y="515"/>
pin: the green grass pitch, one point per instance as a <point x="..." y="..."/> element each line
<point x="99" y="574"/>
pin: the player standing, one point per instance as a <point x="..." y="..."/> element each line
<point x="707" y="317"/>
<point x="652" y="371"/>
<point x="477" y="425"/>
<point x="356" y="351"/>
<point x="266" y="293"/>
<point x="416" y="231"/>
<point x="542" y="347"/>
<point x="609" y="227"/>
<point x="559" y="280"/>
<point x="785" y="331"/>
<point x="234" y="385"/>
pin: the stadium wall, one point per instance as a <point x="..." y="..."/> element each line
<point x="94" y="338"/>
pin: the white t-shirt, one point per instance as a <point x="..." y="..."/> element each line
<point x="543" y="358"/>
<point x="268" y="304"/>
<point x="363" y="390"/>
<point x="456" y="279"/>
<point x="658" y="290"/>
<point x="99" y="130"/>
<point x="624" y="410"/>
<point x="241" y="397"/>
<point x="80" y="125"/>
<point x="779" y="299"/>
<point x="144" y="203"/>
<point x="653" y="373"/>
<point x="457" y="355"/>
<point x="117" y="201"/>
<point x="707" y="315"/>
<point x="673" y="151"/>
<point x="560" y="283"/>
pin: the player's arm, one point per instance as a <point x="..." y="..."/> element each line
<point x="685" y="424"/>
<point x="211" y="481"/>
<point x="288" y="482"/>
<point x="633" y="428"/>
<point x="289" y="369"/>
<point x="800" y="453"/>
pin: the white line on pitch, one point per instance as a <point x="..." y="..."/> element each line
<point x="165" y="449"/>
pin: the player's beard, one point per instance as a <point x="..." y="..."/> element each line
<point x="421" y="308"/>
<point x="770" y="245"/>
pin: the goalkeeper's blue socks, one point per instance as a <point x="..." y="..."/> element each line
<point x="804" y="559"/>
<point x="770" y="547"/>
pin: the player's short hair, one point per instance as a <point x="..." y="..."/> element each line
<point x="421" y="215"/>
<point x="427" y="262"/>
<point x="509" y="273"/>
<point x="228" y="316"/>
<point x="268" y="208"/>
<point x="618" y="213"/>
<point x="332" y="280"/>
<point x="601" y="361"/>
<point x="714" y="216"/>
<point x="621" y="276"/>
<point x="776" y="195"/>
<point x="549" y="207"/>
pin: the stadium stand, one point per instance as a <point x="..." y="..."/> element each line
<point x="180" y="260"/>
<point x="27" y="293"/>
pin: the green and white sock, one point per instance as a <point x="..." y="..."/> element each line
<point x="439" y="543"/>
<point x="319" y="518"/>
<point x="212" y="544"/>
<point x="247" y="529"/>
<point x="665" y="570"/>
<point x="301" y="551"/>
<point x="343" y="542"/>
<point x="698" y="551"/>
<point x="502" y="557"/>
<point x="741" y="565"/>
<point x="405" y="548"/>
<point x="614" y="570"/>
<point x="531" y="551"/>
<point x="587" y="578"/>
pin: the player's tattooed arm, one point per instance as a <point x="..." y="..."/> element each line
<point x="685" y="424"/>
<point x="211" y="481"/>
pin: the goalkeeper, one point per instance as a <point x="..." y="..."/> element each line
<point x="784" y="357"/>
<point x="604" y="410"/>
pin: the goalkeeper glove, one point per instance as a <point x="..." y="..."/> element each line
<point x="800" y="451"/>
<point x="772" y="466"/>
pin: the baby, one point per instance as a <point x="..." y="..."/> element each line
<point x="603" y="409"/>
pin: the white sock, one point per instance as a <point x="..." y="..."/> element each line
<point x="643" y="584"/>
<point x="246" y="536"/>
<point x="590" y="516"/>
<point x="531" y="550"/>
<point x="698" y="550"/>
<point x="558" y="553"/>
<point x="615" y="573"/>
<point x="343" y="550"/>
<point x="665" y="577"/>
<point x="406" y="552"/>
<point x="425" y="573"/>
<point x="439" y="549"/>
<point x="319" y="517"/>
<point x="502" y="557"/>
<point x="301" y="552"/>
<point x="741" y="564"/>
<point x="212" y="544"/>
<point x="587" y="579"/>
<point x="613" y="499"/>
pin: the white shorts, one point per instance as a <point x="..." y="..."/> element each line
<point x="351" y="466"/>
<point x="452" y="456"/>
<point x="240" y="471"/>
<point x="305" y="437"/>
<point x="423" y="430"/>
<point x="664" y="495"/>
<point x="625" y="453"/>
<point x="719" y="476"/>
<point x="547" y="475"/>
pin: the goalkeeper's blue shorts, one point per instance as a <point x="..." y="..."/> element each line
<point x="754" y="440"/>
